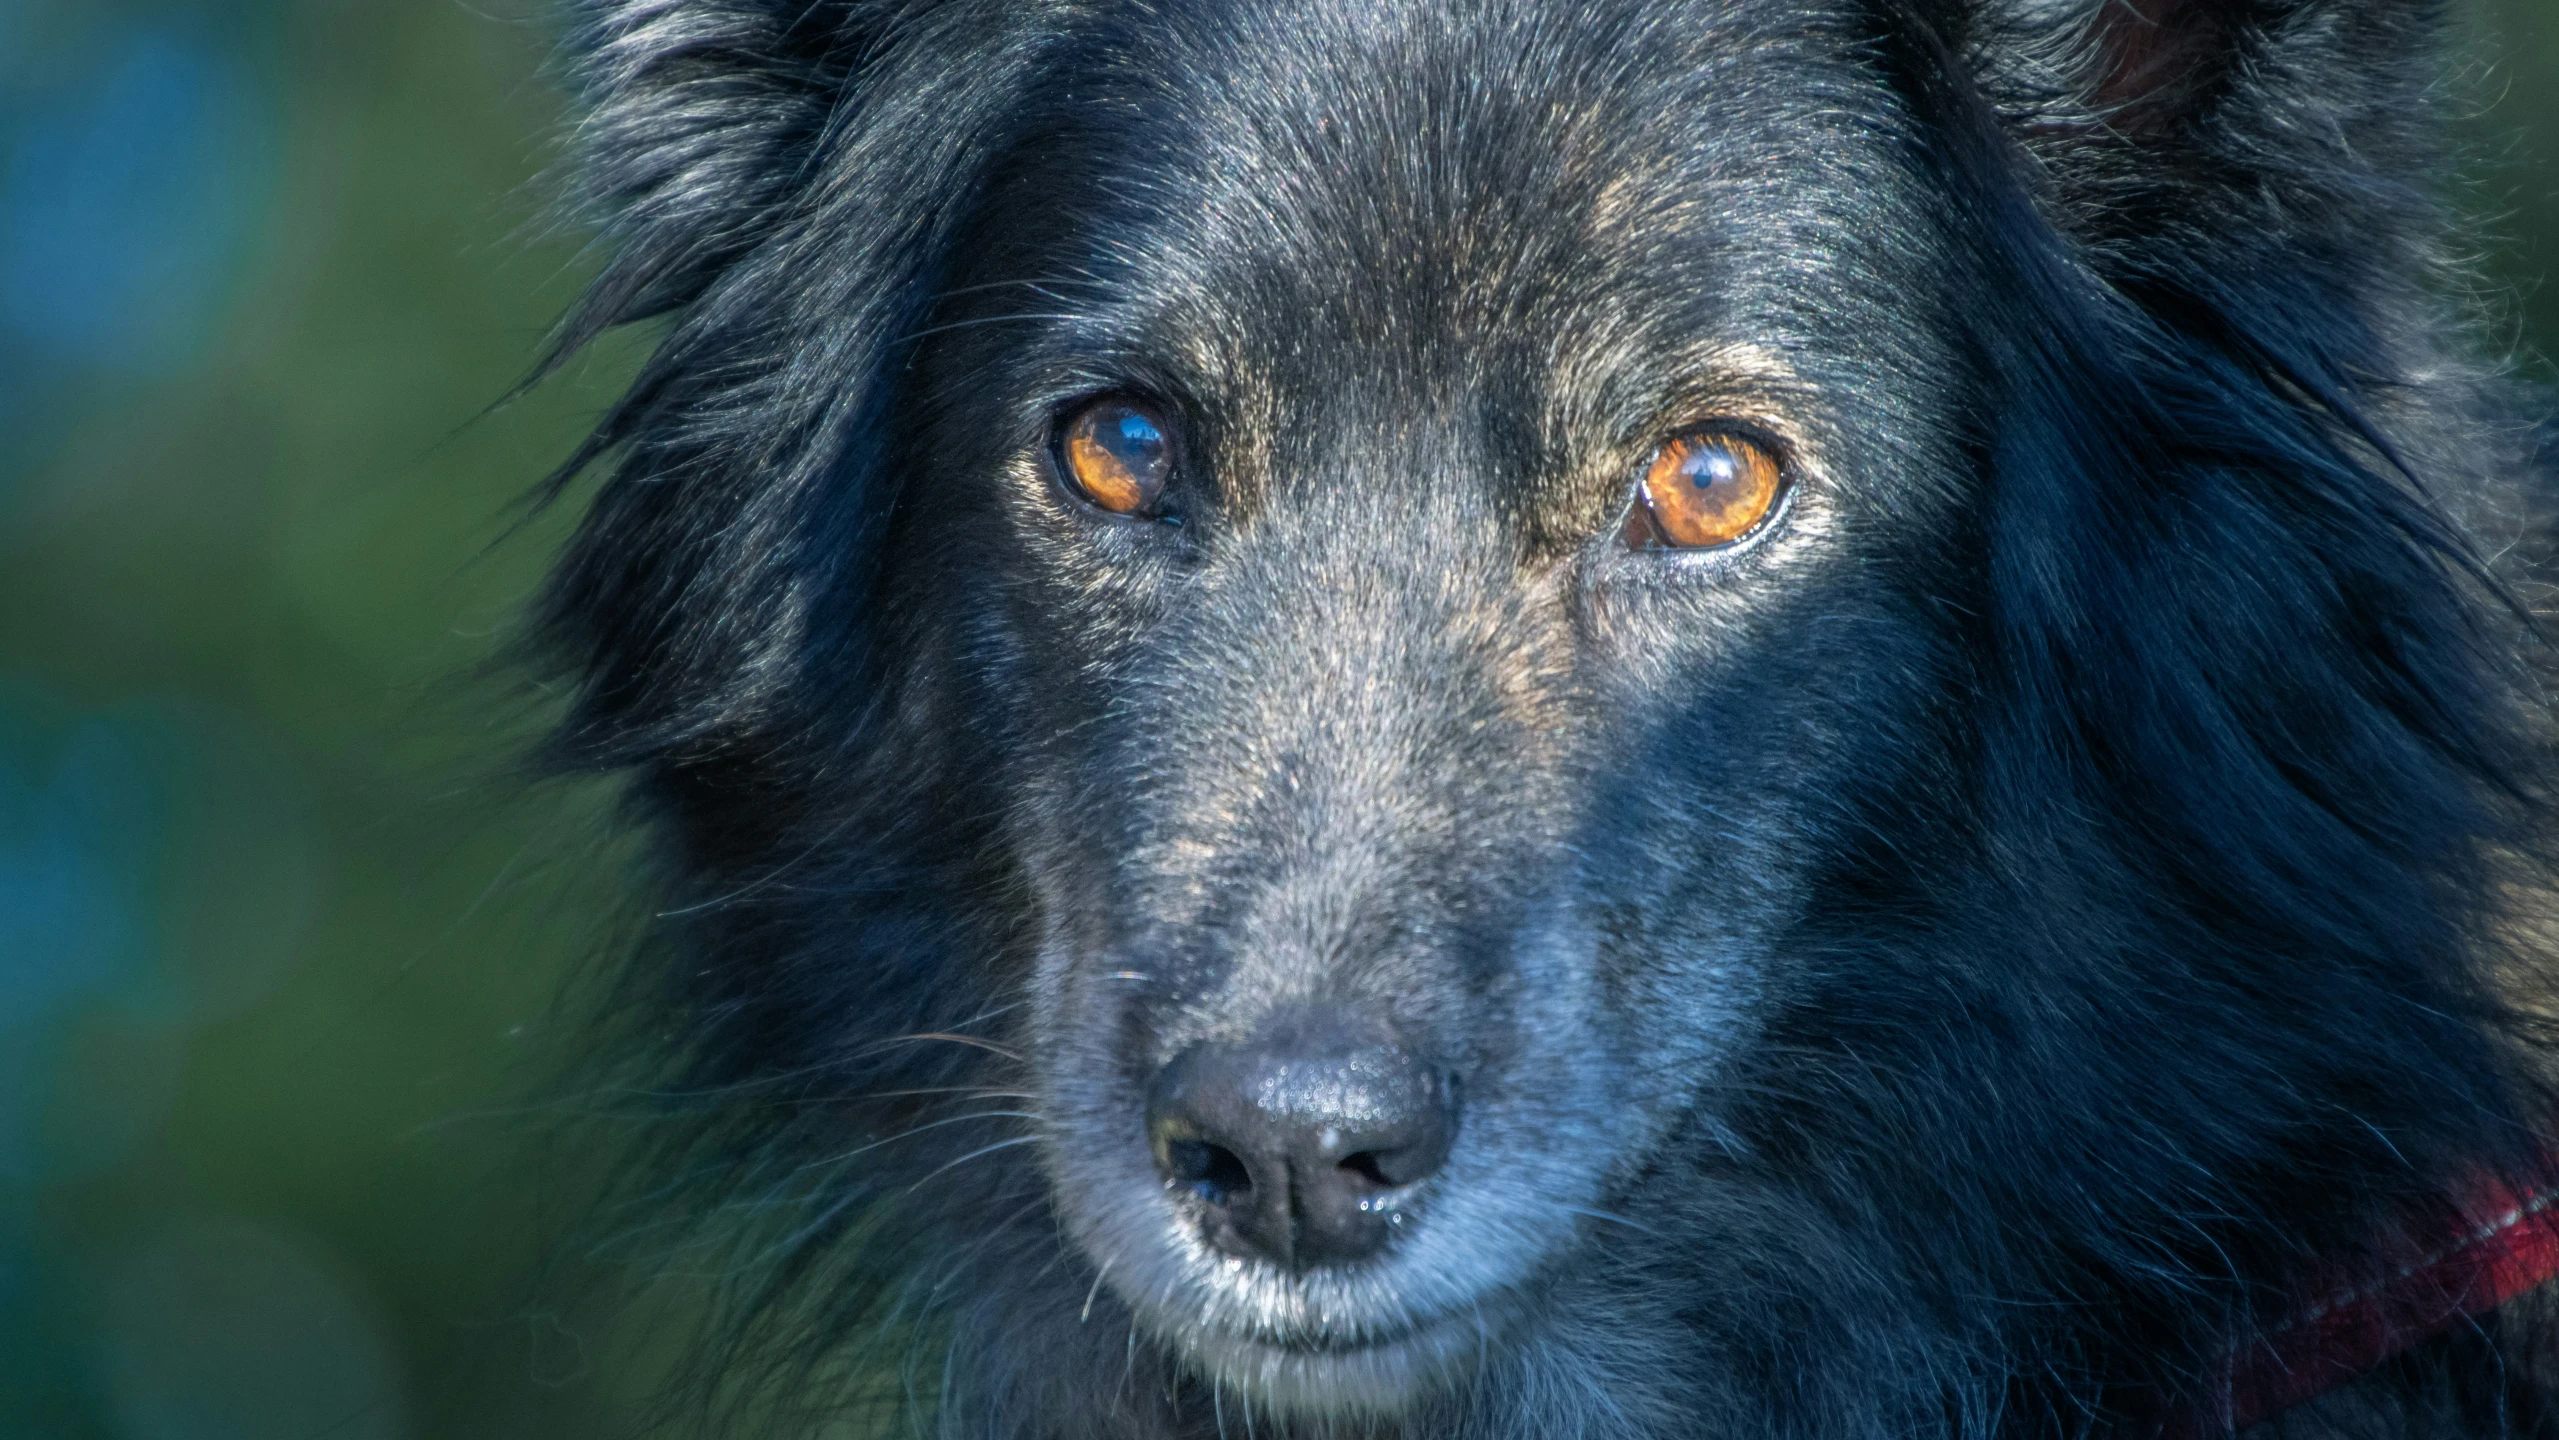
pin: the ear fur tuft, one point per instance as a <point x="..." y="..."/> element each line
<point x="2234" y="96"/>
<point x="2156" y="57"/>
<point x="696" y="117"/>
<point x="778" y="177"/>
<point x="2269" y="164"/>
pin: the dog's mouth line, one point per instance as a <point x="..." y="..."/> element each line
<point x="1301" y="1343"/>
<point x="1314" y="1341"/>
<point x="1475" y="1323"/>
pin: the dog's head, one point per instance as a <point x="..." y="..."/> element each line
<point x="1514" y="641"/>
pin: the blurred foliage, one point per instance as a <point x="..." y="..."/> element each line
<point x="279" y="948"/>
<point x="278" y="955"/>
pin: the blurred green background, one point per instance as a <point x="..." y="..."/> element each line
<point x="279" y="944"/>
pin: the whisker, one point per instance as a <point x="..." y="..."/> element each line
<point x="772" y="876"/>
<point x="1036" y="286"/>
<point x="972" y="1155"/>
<point x="1089" y="1296"/>
<point x="1014" y="319"/>
<point x="1612" y="1219"/>
<point x="912" y="1131"/>
<point x="987" y="1045"/>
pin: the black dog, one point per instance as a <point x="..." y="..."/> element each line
<point x="1573" y="717"/>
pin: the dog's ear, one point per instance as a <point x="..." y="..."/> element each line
<point x="777" y="180"/>
<point x="2229" y="608"/>
<point x="2154" y="67"/>
<point x="694" y="118"/>
<point x="2142" y="61"/>
<point x="2295" y="121"/>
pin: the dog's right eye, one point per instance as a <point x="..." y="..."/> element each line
<point x="1118" y="454"/>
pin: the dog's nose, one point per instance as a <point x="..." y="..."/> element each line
<point x="1304" y="1141"/>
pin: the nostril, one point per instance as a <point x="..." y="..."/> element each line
<point x="1369" y="1165"/>
<point x="1213" y="1172"/>
<point x="1392" y="1169"/>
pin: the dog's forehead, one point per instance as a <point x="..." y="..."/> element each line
<point x="1415" y="174"/>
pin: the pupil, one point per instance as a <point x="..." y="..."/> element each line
<point x="1711" y="467"/>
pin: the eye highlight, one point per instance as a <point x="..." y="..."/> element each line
<point x="1117" y="453"/>
<point x="1702" y="490"/>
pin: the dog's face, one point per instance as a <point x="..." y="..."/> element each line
<point x="1623" y="717"/>
<point x="1441" y="565"/>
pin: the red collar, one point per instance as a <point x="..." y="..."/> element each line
<point x="2507" y="1244"/>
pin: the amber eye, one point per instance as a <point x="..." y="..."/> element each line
<point x="1703" y="490"/>
<point x="1118" y="454"/>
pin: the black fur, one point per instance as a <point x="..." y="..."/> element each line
<point x="1951" y="965"/>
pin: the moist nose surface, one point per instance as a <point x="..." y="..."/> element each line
<point x="1301" y="1145"/>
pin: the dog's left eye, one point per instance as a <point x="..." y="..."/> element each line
<point x="1702" y="490"/>
<point x="1118" y="453"/>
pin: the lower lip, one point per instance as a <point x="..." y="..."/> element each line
<point x="1378" y="1377"/>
